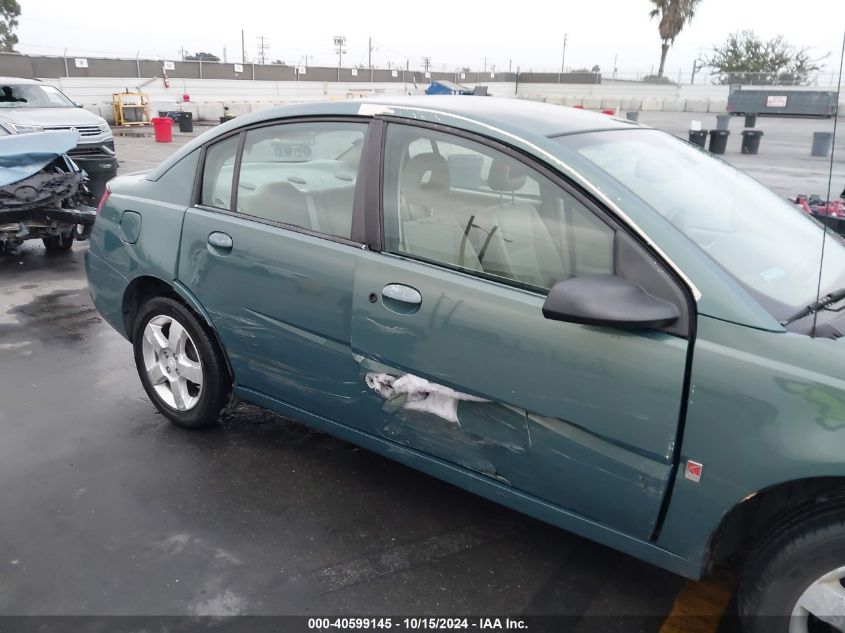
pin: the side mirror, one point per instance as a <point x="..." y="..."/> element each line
<point x="608" y="301"/>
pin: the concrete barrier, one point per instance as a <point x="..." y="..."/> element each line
<point x="652" y="105"/>
<point x="592" y="103"/>
<point x="631" y="105"/>
<point x="209" y="111"/>
<point x="674" y="105"/>
<point x="717" y="105"/>
<point x="610" y="103"/>
<point x="573" y="101"/>
<point x="696" y="105"/>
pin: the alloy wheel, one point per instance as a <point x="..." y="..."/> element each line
<point x="172" y="362"/>
<point x="822" y="605"/>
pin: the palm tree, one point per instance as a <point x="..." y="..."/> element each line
<point x="673" y="14"/>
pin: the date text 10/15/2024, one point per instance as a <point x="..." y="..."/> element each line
<point x="417" y="624"/>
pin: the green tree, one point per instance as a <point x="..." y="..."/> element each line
<point x="746" y="58"/>
<point x="206" y="57"/>
<point x="10" y="11"/>
<point x="673" y="14"/>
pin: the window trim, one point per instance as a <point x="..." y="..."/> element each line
<point x="607" y="216"/>
<point x="242" y="132"/>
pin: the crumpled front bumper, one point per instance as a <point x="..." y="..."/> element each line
<point x="83" y="215"/>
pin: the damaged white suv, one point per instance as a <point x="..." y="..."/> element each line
<point x="30" y="105"/>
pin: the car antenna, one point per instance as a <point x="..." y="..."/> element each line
<point x="836" y="116"/>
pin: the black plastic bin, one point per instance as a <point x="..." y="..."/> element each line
<point x="698" y="137"/>
<point x="751" y="141"/>
<point x="186" y="122"/>
<point x="718" y="141"/>
<point x="750" y="120"/>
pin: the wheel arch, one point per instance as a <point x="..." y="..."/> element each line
<point x="144" y="287"/>
<point x="765" y="511"/>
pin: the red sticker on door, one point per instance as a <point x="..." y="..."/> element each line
<point x="693" y="471"/>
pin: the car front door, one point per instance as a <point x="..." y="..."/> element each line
<point x="460" y="362"/>
<point x="268" y="251"/>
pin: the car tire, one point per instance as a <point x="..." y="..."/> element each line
<point x="805" y="555"/>
<point x="180" y="364"/>
<point x="58" y="243"/>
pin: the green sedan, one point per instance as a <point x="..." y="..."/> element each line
<point x="578" y="317"/>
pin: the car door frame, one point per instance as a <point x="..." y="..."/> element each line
<point x="363" y="180"/>
<point x="374" y="241"/>
<point x="364" y="175"/>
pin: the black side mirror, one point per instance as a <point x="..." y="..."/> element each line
<point x="609" y="301"/>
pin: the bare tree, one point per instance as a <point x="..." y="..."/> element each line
<point x="673" y="14"/>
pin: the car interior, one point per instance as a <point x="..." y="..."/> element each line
<point x="487" y="212"/>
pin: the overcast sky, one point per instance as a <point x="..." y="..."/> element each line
<point x="454" y="33"/>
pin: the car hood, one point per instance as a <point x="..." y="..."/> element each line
<point x="22" y="155"/>
<point x="49" y="116"/>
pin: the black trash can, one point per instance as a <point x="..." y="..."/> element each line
<point x="698" y="137"/>
<point x="822" y="142"/>
<point x="633" y="116"/>
<point x="751" y="141"/>
<point x="719" y="141"/>
<point x="186" y="122"/>
<point x="750" y="120"/>
<point x="723" y="121"/>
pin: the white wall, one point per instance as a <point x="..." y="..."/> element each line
<point x="209" y="95"/>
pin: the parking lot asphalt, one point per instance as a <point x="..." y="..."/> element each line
<point x="107" y="509"/>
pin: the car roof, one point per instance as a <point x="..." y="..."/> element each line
<point x="526" y="118"/>
<point x="18" y="80"/>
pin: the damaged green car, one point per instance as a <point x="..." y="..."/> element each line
<point x="569" y="314"/>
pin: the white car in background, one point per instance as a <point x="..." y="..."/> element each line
<point x="30" y="105"/>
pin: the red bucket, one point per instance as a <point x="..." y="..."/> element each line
<point x="162" y="129"/>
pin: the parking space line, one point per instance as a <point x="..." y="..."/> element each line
<point x="699" y="606"/>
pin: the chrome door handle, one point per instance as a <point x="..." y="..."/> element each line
<point x="402" y="293"/>
<point x="220" y="240"/>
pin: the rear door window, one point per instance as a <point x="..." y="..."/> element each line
<point x="218" y="173"/>
<point x="302" y="175"/>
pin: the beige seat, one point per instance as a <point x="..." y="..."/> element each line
<point x="281" y="202"/>
<point x="519" y="244"/>
<point x="428" y="227"/>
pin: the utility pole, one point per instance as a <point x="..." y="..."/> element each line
<point x="243" y="48"/>
<point x="262" y="46"/>
<point x="224" y="54"/>
<point x="370" y="53"/>
<point x="339" y="43"/>
<point x="615" y="58"/>
<point x="183" y="52"/>
<point x="563" y="56"/>
<point x="696" y="66"/>
<point x="485" y="64"/>
<point x="426" y="64"/>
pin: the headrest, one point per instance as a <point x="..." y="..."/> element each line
<point x="424" y="178"/>
<point x="506" y="175"/>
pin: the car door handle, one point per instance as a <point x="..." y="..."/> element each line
<point x="222" y="241"/>
<point x="403" y="293"/>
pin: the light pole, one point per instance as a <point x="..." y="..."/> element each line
<point x="339" y="43"/>
<point x="563" y="56"/>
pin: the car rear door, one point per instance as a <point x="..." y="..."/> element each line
<point x="460" y="362"/>
<point x="268" y="251"/>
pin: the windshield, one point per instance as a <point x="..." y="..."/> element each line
<point x="772" y="248"/>
<point x="32" y="96"/>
